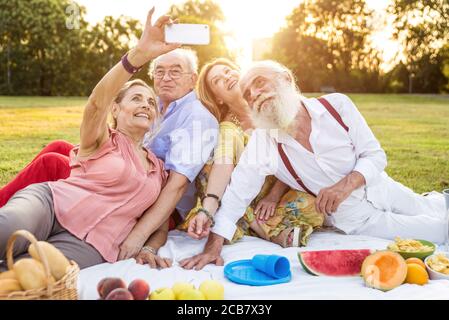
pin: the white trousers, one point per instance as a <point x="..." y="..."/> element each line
<point x="404" y="213"/>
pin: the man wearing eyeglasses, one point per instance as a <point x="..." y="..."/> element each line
<point x="184" y="138"/>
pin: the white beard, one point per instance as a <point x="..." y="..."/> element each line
<point x="280" y="111"/>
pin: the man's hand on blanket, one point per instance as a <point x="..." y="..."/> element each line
<point x="200" y="260"/>
<point x="199" y="226"/>
<point x="153" y="260"/>
<point x="211" y="254"/>
<point x="329" y="199"/>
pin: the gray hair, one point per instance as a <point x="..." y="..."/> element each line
<point x="189" y="56"/>
<point x="266" y="66"/>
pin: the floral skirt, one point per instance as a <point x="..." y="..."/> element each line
<point x="295" y="209"/>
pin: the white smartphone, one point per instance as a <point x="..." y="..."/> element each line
<point x="193" y="34"/>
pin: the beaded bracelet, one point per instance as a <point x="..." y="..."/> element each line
<point x="207" y="213"/>
<point x="211" y="195"/>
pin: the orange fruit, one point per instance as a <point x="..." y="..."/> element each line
<point x="417" y="261"/>
<point x="416" y="274"/>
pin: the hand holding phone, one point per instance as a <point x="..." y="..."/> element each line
<point x="193" y="34"/>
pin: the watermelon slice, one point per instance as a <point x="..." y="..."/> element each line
<point x="334" y="263"/>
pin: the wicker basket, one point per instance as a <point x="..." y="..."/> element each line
<point x="64" y="289"/>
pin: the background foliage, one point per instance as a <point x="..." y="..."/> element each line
<point x="326" y="42"/>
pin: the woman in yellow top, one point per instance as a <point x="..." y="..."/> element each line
<point x="278" y="214"/>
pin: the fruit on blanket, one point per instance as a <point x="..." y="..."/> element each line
<point x="212" y="290"/>
<point x="100" y="286"/>
<point x="162" y="294"/>
<point x="139" y="289"/>
<point x="31" y="274"/>
<point x="192" y="294"/>
<point x="416" y="274"/>
<point x="106" y="285"/>
<point x="334" y="263"/>
<point x="179" y="287"/>
<point x="9" y="285"/>
<point x="57" y="262"/>
<point x="417" y="261"/>
<point x="119" y="294"/>
<point x="10" y="274"/>
<point x="384" y="270"/>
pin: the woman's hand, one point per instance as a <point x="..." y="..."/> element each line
<point x="199" y="226"/>
<point x="152" y="42"/>
<point x="153" y="260"/>
<point x="131" y="247"/>
<point x="266" y="207"/>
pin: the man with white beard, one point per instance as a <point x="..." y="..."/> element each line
<point x="324" y="147"/>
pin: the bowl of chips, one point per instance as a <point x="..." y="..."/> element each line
<point x="438" y="266"/>
<point x="412" y="248"/>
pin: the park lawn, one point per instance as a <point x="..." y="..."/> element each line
<point x="413" y="130"/>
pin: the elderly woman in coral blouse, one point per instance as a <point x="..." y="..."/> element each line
<point x="113" y="180"/>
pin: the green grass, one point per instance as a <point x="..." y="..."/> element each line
<point x="414" y="131"/>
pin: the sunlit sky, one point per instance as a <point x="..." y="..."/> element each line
<point x="245" y="19"/>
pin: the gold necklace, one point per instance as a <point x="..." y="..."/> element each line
<point x="234" y="119"/>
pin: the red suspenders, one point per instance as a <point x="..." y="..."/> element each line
<point x="333" y="112"/>
<point x="284" y="156"/>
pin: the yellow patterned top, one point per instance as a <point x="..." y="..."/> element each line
<point x="231" y="143"/>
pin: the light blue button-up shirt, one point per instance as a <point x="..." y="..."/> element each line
<point x="184" y="139"/>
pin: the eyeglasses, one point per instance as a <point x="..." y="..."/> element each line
<point x="172" y="73"/>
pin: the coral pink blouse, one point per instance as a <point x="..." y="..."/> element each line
<point x="106" y="193"/>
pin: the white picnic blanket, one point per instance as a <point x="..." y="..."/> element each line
<point x="302" y="285"/>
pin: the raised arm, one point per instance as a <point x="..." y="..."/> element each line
<point x="94" y="130"/>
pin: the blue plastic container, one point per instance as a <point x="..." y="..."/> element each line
<point x="262" y="270"/>
<point x="276" y="266"/>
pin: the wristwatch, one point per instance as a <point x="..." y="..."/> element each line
<point x="128" y="66"/>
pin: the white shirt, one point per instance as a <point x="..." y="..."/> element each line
<point x="336" y="154"/>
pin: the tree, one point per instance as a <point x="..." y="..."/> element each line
<point x="204" y="12"/>
<point x="47" y="48"/>
<point x="107" y="42"/>
<point x="37" y="48"/>
<point x="422" y="27"/>
<point x="326" y="43"/>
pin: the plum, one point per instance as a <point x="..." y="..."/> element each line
<point x="119" y="294"/>
<point x="139" y="289"/>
